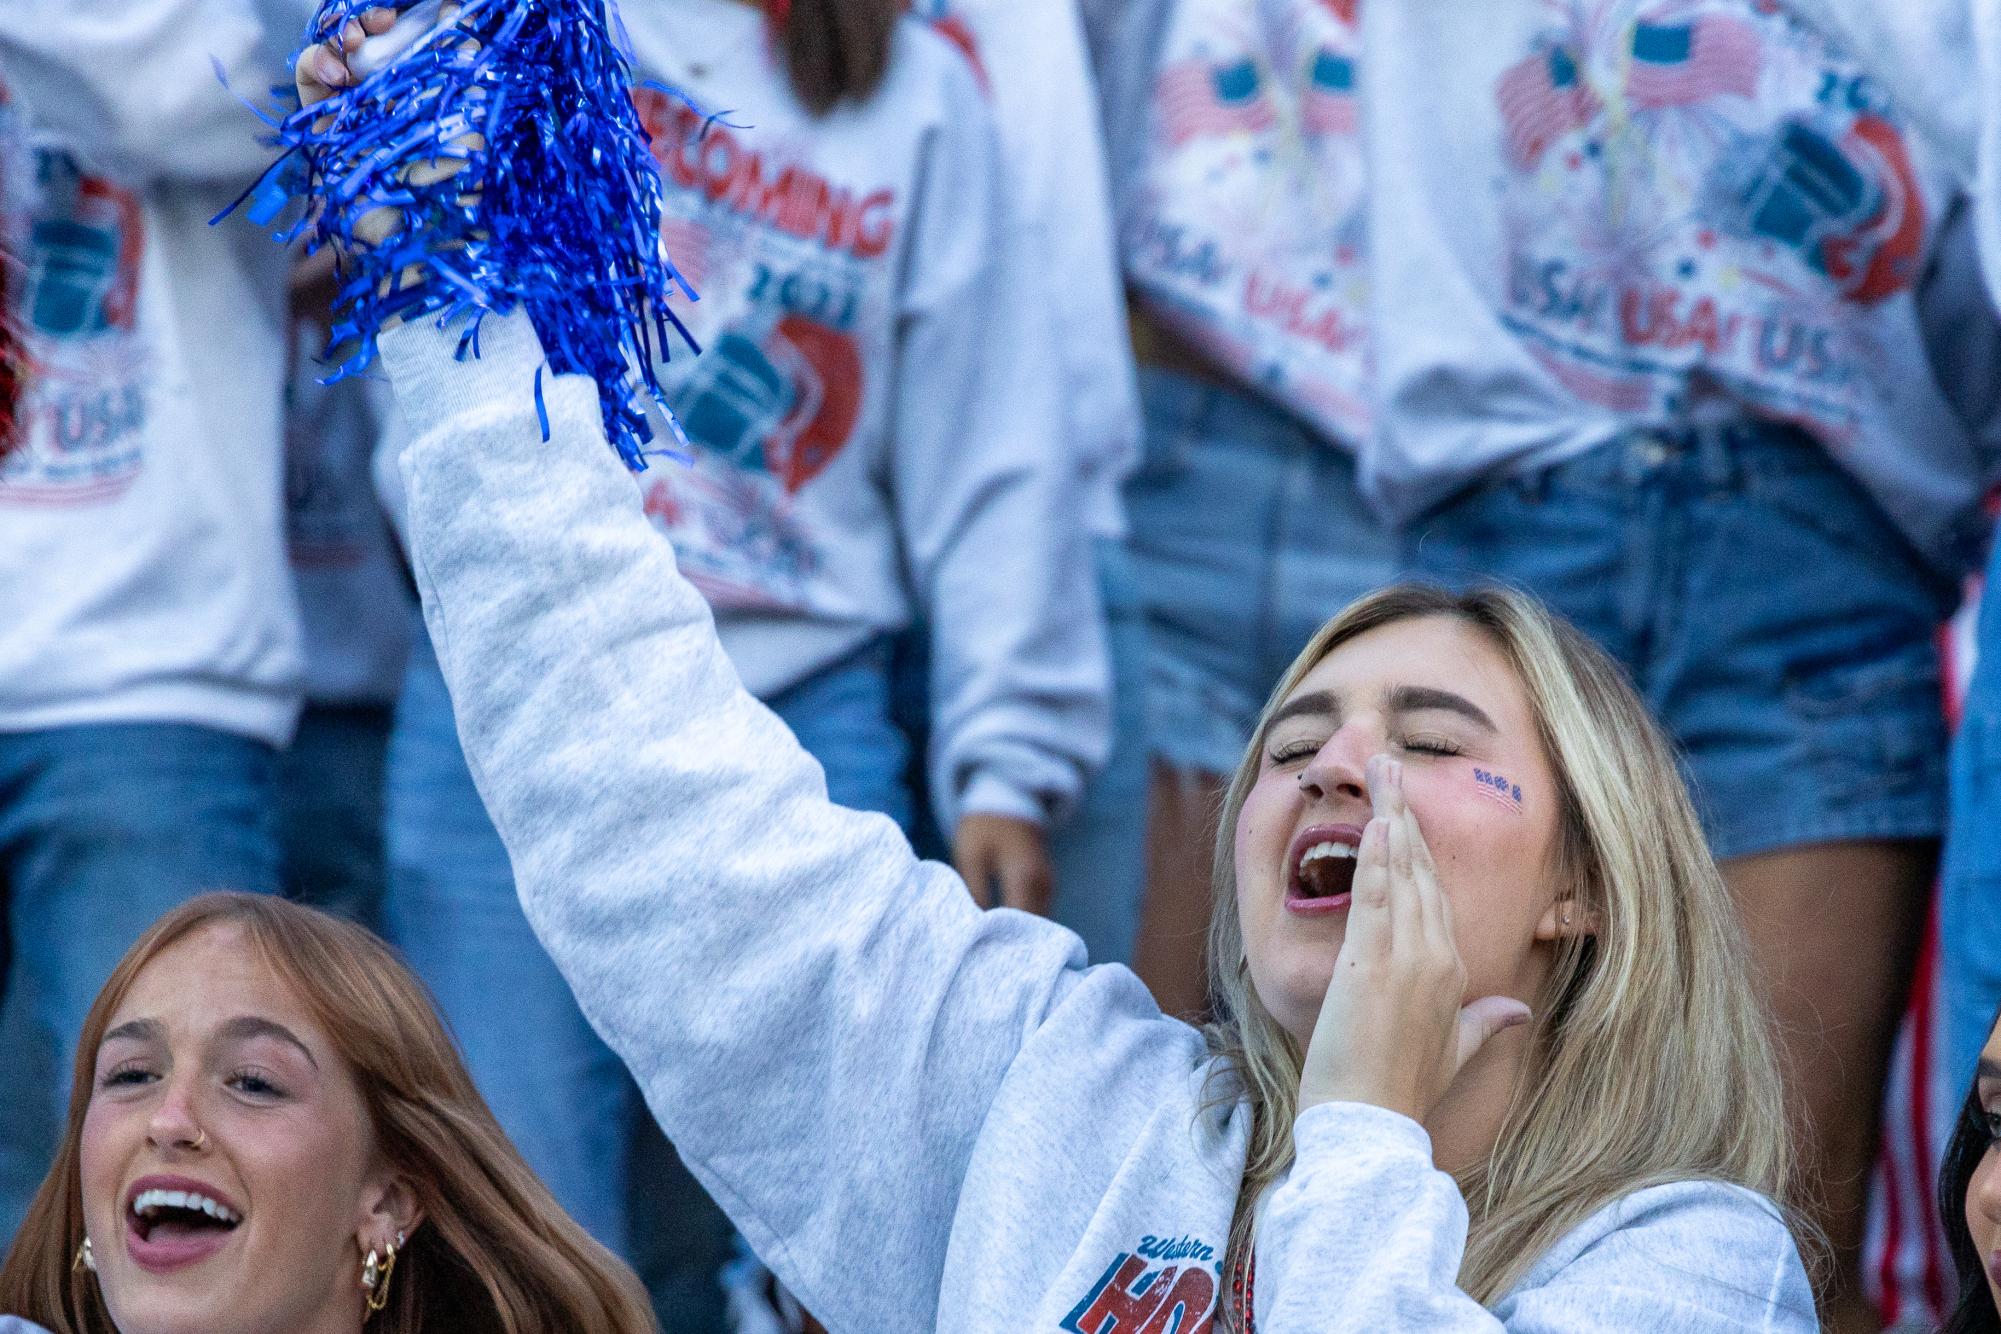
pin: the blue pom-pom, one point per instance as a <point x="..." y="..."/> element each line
<point x="556" y="210"/>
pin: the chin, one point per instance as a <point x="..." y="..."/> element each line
<point x="1294" y="990"/>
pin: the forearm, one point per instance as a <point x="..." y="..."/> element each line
<point x="817" y="1019"/>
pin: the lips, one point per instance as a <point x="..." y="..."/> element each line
<point x="172" y="1222"/>
<point x="1320" y="869"/>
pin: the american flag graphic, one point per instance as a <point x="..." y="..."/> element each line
<point x="1199" y="100"/>
<point x="1686" y="64"/>
<point x="1542" y="99"/>
<point x="1329" y="104"/>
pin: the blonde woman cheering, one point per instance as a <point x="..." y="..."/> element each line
<point x="1489" y="1059"/>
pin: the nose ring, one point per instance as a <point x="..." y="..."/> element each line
<point x="199" y="1142"/>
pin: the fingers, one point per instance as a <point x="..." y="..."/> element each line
<point x="1482" y="1019"/>
<point x="973" y="860"/>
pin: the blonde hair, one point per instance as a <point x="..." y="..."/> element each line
<point x="1652" y="1062"/>
<point x="495" y="1252"/>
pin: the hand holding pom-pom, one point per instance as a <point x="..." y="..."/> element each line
<point x="477" y="158"/>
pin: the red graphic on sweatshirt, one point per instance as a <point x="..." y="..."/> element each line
<point x="1880" y="258"/>
<point x="1135" y="1298"/>
<point x="698" y="155"/>
<point x="828" y="405"/>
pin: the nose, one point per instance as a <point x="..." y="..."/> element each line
<point x="174" y="1125"/>
<point x="1339" y="769"/>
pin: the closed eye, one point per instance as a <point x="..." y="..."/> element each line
<point x="1431" y="746"/>
<point x="255" y="1084"/>
<point x="127" y="1076"/>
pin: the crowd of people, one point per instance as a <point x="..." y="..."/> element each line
<point x="1467" y="492"/>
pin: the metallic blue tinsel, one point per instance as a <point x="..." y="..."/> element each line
<point x="559" y="212"/>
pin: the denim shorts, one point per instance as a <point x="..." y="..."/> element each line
<point x="1247" y="535"/>
<point x="1775" y="621"/>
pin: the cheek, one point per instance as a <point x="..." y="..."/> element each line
<point x="103" y="1146"/>
<point x="1985" y="1186"/>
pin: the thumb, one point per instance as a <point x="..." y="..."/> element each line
<point x="1485" y="1017"/>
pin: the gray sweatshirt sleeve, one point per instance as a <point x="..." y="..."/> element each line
<point x="131" y="85"/>
<point x="819" y="1021"/>
<point x="990" y="502"/>
<point x="1366" y="1235"/>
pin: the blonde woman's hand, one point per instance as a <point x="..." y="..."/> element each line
<point x="1393" y="1030"/>
<point x="333" y="64"/>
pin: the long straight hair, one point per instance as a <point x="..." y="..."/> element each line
<point x="835" y="50"/>
<point x="495" y="1253"/>
<point x="1971" y="1142"/>
<point x="1652" y="1062"/>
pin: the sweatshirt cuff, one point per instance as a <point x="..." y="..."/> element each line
<point x="990" y="794"/>
<point x="433" y="386"/>
<point x="1342" y="1129"/>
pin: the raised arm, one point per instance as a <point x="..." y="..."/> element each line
<point x="818" y="1020"/>
<point x="1366" y="1235"/>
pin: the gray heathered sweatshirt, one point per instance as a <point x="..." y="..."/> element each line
<point x="923" y="1116"/>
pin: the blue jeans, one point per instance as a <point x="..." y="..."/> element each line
<point x="1970" y="878"/>
<point x="330" y="810"/>
<point x="1777" y="624"/>
<point x="1099" y="852"/>
<point x="1248" y="534"/>
<point x="103" y="829"/>
<point x="559" y="1092"/>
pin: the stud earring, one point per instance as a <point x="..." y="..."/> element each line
<point x="85" y="1258"/>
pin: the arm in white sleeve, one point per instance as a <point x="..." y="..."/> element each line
<point x="131" y="86"/>
<point x="818" y="1020"/>
<point x="1366" y="1235"/>
<point x="989" y="501"/>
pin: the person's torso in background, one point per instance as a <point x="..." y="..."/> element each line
<point x="355" y="603"/>
<point x="794" y="231"/>
<point x="1243" y="223"/>
<point x="1624" y="214"/>
<point x="1033" y="65"/>
<point x="139" y="461"/>
<point x="1537" y="224"/>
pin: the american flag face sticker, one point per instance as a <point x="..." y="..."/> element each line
<point x="1497" y="787"/>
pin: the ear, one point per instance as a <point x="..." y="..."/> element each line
<point x="389" y="1210"/>
<point x="1566" y="917"/>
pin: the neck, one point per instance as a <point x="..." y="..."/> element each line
<point x="1466" y="1124"/>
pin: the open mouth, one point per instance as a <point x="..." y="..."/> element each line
<point x="175" y="1223"/>
<point x="1321" y="868"/>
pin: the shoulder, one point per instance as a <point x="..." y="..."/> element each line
<point x="13" y="1324"/>
<point x="1704" y="1243"/>
<point x="938" y="57"/>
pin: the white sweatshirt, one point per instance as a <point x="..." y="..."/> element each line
<point x="1461" y="240"/>
<point x="877" y="418"/>
<point x="923" y="1116"/>
<point x="1031" y="56"/>
<point x="141" y="516"/>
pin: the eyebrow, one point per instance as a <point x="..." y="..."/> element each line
<point x="1989" y="1069"/>
<point x="135" y="1030"/>
<point x="1318" y="703"/>
<point x="245" y="1027"/>
<point x="1416" y="699"/>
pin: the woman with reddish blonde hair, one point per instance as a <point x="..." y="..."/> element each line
<point x="270" y="1129"/>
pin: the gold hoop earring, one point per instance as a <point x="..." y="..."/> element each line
<point x="376" y="1271"/>
<point x="85" y="1258"/>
